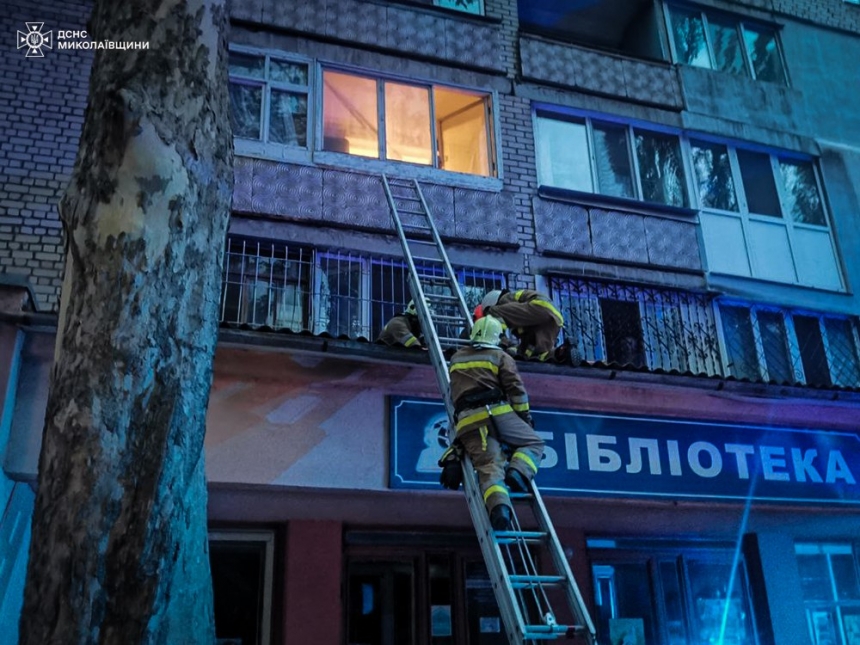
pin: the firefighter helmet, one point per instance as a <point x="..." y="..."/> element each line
<point x="411" y="309"/>
<point x="487" y="332"/>
<point x="491" y="299"/>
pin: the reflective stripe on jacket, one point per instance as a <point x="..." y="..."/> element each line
<point x="479" y="369"/>
<point x="531" y="297"/>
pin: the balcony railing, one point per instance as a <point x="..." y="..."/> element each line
<point x="277" y="286"/>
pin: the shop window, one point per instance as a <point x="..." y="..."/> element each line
<point x="830" y="583"/>
<point x="768" y="344"/>
<point x="726" y="43"/>
<point x="428" y="125"/>
<point x="588" y="155"/>
<point x="242" y="568"/>
<point x="673" y="594"/>
<point x="269" y="100"/>
<point x="282" y="287"/>
<point x="638" y="327"/>
<point x="763" y="216"/>
<point x="380" y="603"/>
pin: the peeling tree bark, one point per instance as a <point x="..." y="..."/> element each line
<point x="119" y="551"/>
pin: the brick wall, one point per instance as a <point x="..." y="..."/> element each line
<point x="42" y="102"/>
<point x="830" y="13"/>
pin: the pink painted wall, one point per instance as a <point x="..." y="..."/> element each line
<point x="312" y="602"/>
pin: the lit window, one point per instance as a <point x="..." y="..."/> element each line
<point x="429" y="125"/>
<point x="269" y="99"/>
<point x="830" y="585"/>
<point x="766" y="344"/>
<point x="467" y="6"/>
<point x="763" y="216"/>
<point x="588" y="155"/>
<point x="725" y="43"/>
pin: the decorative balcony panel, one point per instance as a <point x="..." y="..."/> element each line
<point x="585" y="231"/>
<point x="357" y="200"/>
<point x="601" y="73"/>
<point x="396" y="27"/>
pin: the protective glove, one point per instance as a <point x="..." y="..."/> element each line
<point x="452" y="470"/>
<point x="452" y="475"/>
<point x="526" y="416"/>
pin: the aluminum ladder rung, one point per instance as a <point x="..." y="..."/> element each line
<point x="440" y="297"/>
<point x="419" y="258"/>
<point x="512" y="537"/>
<point x="450" y="340"/>
<point x="530" y="582"/>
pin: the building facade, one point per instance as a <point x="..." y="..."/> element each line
<point x="680" y="177"/>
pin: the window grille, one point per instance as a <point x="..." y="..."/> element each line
<point x="274" y="285"/>
<point x="639" y="327"/>
<point x="769" y="344"/>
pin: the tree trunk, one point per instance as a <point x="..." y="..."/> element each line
<point x="119" y="545"/>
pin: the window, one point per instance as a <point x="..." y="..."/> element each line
<point x="767" y="344"/>
<point x="428" y="125"/>
<point x="269" y="99"/>
<point x="725" y="43"/>
<point x="341" y="293"/>
<point x="466" y="6"/>
<point x="763" y="215"/>
<point x="616" y="160"/>
<point x="649" y="592"/>
<point x="638" y="327"/>
<point x="830" y="583"/>
<point x="242" y="568"/>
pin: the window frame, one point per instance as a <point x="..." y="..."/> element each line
<point x="262" y="146"/>
<point x="651" y="555"/>
<point x="834" y="604"/>
<point x="631" y="128"/>
<point x="757" y="263"/>
<point x="489" y="98"/>
<point x="739" y="23"/>
<point x="267" y="539"/>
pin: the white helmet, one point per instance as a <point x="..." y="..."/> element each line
<point x="491" y="299"/>
<point x="410" y="309"/>
<point x="487" y="332"/>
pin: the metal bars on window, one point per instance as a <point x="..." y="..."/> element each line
<point x="639" y="327"/>
<point x="775" y="345"/>
<point x="273" y="285"/>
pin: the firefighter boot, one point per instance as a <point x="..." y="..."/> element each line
<point x="500" y="517"/>
<point x="515" y="481"/>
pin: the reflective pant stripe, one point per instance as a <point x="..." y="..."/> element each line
<point x="524" y="457"/>
<point x="495" y="489"/>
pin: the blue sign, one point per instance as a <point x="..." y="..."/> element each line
<point x="603" y="454"/>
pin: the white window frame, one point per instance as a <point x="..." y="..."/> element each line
<point x="489" y="98"/>
<point x="834" y="604"/>
<point x="262" y="147"/>
<point x="758" y="264"/>
<point x="267" y="538"/>
<point x="630" y="130"/>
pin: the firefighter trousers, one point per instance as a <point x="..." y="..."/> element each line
<point x="484" y="445"/>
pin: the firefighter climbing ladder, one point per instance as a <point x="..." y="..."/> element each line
<point x="524" y="591"/>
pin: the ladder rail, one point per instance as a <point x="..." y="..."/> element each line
<point x="514" y="572"/>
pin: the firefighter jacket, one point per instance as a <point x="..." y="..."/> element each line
<point x="484" y="382"/>
<point x="533" y="318"/>
<point x="403" y="329"/>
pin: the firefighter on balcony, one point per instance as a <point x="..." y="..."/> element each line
<point x="532" y="318"/>
<point x="491" y="409"/>
<point x="403" y="329"/>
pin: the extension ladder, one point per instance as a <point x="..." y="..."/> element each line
<point x="526" y="593"/>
